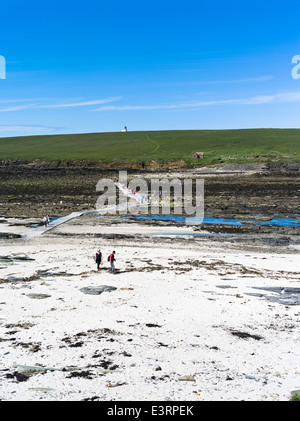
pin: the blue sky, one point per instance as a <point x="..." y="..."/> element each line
<point x="96" y="66"/>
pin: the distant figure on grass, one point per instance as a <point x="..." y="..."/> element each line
<point x="112" y="260"/>
<point x="98" y="259"/>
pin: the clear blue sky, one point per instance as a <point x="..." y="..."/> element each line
<point x="96" y="66"/>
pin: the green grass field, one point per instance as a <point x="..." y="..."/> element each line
<point x="218" y="145"/>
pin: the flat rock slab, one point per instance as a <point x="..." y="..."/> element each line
<point x="38" y="296"/>
<point x="288" y="296"/>
<point x="97" y="290"/>
<point x="29" y="370"/>
<point x="15" y="258"/>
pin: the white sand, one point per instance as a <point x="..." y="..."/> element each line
<point x="195" y="317"/>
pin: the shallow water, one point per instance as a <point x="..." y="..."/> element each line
<point x="286" y="222"/>
<point x="189" y="233"/>
<point x="190" y="220"/>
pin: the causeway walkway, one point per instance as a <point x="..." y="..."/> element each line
<point x="41" y="230"/>
<point x="37" y="232"/>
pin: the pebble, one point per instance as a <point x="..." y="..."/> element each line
<point x="186" y="379"/>
<point x="41" y="389"/>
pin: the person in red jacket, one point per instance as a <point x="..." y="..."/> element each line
<point x="112" y="260"/>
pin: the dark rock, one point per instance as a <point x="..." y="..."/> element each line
<point x="38" y="296"/>
<point x="97" y="290"/>
<point x="17" y="376"/>
<point x="9" y="235"/>
<point x="245" y="335"/>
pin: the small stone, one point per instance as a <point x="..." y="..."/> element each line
<point x="277" y="374"/>
<point x="157" y="368"/>
<point x="250" y="377"/>
<point x="186" y="379"/>
<point x="41" y="389"/>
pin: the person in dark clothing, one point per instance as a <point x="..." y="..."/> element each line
<point x="98" y="259"/>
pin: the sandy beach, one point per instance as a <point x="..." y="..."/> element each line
<point x="183" y="318"/>
<point x="167" y="136"/>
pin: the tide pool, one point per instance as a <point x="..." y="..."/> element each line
<point x="285" y="222"/>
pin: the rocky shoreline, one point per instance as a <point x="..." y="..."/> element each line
<point x="246" y="193"/>
<point x="194" y="312"/>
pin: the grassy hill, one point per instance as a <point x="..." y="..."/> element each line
<point x="218" y="146"/>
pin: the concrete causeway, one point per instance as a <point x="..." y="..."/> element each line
<point x="42" y="230"/>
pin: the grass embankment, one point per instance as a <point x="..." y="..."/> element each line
<point x="252" y="145"/>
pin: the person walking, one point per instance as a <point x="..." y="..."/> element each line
<point x="112" y="260"/>
<point x="98" y="259"/>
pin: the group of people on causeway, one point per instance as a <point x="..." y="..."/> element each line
<point x="142" y="199"/>
<point x="111" y="259"/>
